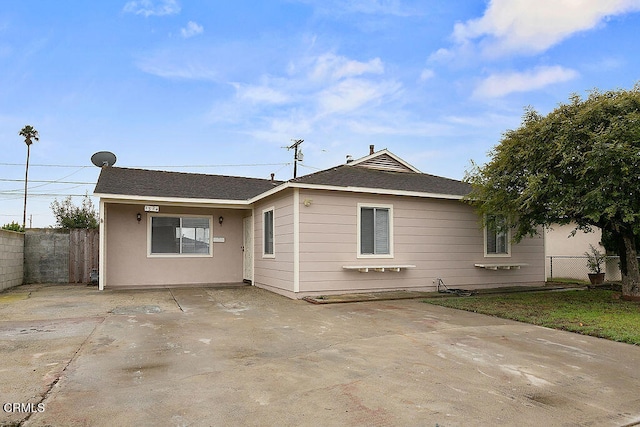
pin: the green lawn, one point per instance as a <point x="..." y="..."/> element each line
<point x="600" y="313"/>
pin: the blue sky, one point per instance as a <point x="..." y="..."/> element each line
<point x="221" y="86"/>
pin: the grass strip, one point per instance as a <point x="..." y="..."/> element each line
<point x="599" y="313"/>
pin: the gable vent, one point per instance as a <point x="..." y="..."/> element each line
<point x="385" y="162"/>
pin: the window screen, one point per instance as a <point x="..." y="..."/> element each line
<point x="497" y="239"/>
<point x="374" y="231"/>
<point x="268" y="232"/>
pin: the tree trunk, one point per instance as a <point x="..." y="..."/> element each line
<point x="629" y="269"/>
<point x="26" y="176"/>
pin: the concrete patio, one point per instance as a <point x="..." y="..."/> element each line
<point x="75" y="356"/>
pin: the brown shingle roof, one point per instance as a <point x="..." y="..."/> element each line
<point x="151" y="183"/>
<point x="356" y="176"/>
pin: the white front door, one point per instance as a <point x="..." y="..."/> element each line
<point x="247" y="248"/>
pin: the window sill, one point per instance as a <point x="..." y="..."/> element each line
<point x="179" y="255"/>
<point x="377" y="268"/>
<point x="505" y="266"/>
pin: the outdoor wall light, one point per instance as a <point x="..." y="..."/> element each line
<point x="139" y="217"/>
<point x="220" y="220"/>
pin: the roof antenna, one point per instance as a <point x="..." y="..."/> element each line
<point x="297" y="155"/>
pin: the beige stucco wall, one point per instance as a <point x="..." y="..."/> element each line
<point x="442" y="238"/>
<point x="565" y="254"/>
<point x="128" y="264"/>
<point x="560" y="242"/>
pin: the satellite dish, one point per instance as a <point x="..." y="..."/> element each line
<point x="103" y="158"/>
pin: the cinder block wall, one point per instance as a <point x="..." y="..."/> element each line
<point x="46" y="257"/>
<point x="11" y="259"/>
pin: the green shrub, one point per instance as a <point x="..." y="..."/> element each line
<point x="13" y="226"/>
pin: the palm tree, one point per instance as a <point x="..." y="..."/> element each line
<point x="30" y="134"/>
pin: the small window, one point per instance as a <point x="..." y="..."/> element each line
<point x="496" y="236"/>
<point x="375" y="231"/>
<point x="180" y="235"/>
<point x="268" y="226"/>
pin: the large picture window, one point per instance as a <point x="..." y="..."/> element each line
<point x="375" y="231"/>
<point x="180" y="235"/>
<point x="496" y="236"/>
<point x="268" y="227"/>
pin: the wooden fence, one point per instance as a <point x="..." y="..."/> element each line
<point x="83" y="254"/>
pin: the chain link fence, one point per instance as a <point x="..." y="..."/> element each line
<point x="561" y="267"/>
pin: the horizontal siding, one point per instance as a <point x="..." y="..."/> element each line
<point x="442" y="238"/>
<point x="275" y="273"/>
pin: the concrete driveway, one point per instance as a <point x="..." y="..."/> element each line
<point x="74" y="356"/>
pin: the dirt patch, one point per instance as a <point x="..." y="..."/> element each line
<point x="133" y="310"/>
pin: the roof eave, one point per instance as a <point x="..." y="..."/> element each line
<point x="356" y="190"/>
<point x="176" y="201"/>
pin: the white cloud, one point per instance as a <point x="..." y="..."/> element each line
<point x="351" y="94"/>
<point x="192" y="29"/>
<point x="150" y="7"/>
<point x="178" y="67"/>
<point x="314" y="95"/>
<point x="368" y="7"/>
<point x="502" y="84"/>
<point x="509" y="26"/>
<point x="260" y="94"/>
<point x="427" y="74"/>
<point x="400" y="126"/>
<point x="334" y="67"/>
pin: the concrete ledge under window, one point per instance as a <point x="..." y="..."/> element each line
<point x="505" y="266"/>
<point x="377" y="268"/>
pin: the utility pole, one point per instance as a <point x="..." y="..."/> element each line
<point x="296" y="156"/>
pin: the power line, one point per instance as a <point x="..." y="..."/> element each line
<point x="16" y="196"/>
<point x="155" y="166"/>
<point x="48" y="166"/>
<point x="211" y="166"/>
<point x="48" y="182"/>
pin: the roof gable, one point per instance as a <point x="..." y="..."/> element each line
<point x="384" y="160"/>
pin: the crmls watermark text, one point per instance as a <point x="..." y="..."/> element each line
<point x="23" y="407"/>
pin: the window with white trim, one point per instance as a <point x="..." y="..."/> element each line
<point x="496" y="236"/>
<point x="180" y="235"/>
<point x="375" y="231"/>
<point x="268" y="230"/>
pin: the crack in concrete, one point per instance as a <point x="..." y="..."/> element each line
<point x="48" y="392"/>
<point x="174" y="298"/>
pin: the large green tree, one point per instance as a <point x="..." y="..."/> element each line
<point x="580" y="163"/>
